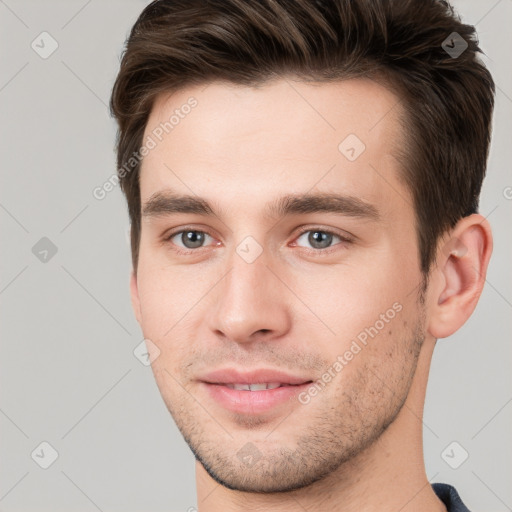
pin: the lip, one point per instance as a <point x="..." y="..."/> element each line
<point x="233" y="376"/>
<point x="252" y="402"/>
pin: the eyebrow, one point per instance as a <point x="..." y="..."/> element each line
<point x="168" y="202"/>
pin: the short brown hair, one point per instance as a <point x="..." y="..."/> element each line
<point x="448" y="99"/>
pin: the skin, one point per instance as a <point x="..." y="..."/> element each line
<point x="357" y="444"/>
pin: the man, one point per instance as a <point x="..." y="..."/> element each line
<point x="302" y="181"/>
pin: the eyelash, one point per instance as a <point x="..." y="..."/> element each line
<point x="344" y="239"/>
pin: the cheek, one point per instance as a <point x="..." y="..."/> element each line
<point x="162" y="302"/>
<point x="164" y="287"/>
<point x="169" y="300"/>
<point x="373" y="316"/>
<point x="375" y="367"/>
<point x="349" y="299"/>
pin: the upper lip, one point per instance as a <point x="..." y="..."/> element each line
<point x="259" y="376"/>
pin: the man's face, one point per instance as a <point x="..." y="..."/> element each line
<point x="240" y="294"/>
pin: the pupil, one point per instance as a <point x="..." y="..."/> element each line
<point x="319" y="239"/>
<point x="192" y="239"/>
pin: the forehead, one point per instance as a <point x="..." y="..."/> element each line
<point x="281" y="136"/>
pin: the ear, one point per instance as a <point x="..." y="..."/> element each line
<point x="458" y="277"/>
<point x="134" y="293"/>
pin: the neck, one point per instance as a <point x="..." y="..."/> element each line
<point x="386" y="477"/>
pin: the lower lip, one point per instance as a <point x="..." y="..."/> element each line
<point x="253" y="402"/>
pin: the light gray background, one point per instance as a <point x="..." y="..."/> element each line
<point x="68" y="373"/>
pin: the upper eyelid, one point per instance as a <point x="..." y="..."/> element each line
<point x="330" y="231"/>
<point x="172" y="233"/>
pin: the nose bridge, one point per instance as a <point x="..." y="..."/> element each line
<point x="248" y="299"/>
<point x="245" y="281"/>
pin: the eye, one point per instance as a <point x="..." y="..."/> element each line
<point x="321" y="239"/>
<point x="189" y="238"/>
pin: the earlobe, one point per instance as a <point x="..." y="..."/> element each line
<point x="462" y="261"/>
<point x="134" y="293"/>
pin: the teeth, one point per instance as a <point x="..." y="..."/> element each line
<point x="258" y="387"/>
<point x="244" y="387"/>
<point x="255" y="387"/>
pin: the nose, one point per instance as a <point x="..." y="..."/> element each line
<point x="250" y="303"/>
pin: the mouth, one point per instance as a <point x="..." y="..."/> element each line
<point x="267" y="377"/>
<point x="256" y="386"/>
<point x="253" y="392"/>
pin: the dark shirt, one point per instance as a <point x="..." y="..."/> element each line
<point x="450" y="497"/>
